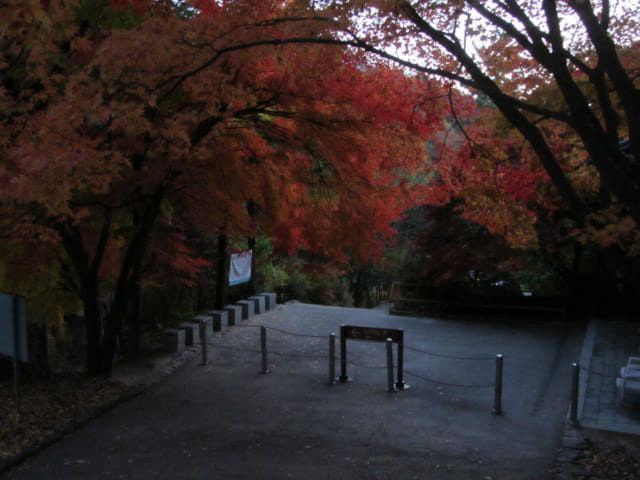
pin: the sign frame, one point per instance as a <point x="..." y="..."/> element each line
<point x="372" y="334"/>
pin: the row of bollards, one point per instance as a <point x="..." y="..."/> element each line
<point x="399" y="385"/>
<point x="391" y="386"/>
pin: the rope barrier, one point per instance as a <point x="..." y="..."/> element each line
<point x="316" y="356"/>
<point x="286" y="332"/>
<point x="418" y="350"/>
<point x="455" y="357"/>
<point x="299" y="355"/>
<point x="449" y="384"/>
<point x="249" y="350"/>
<point x="371" y="367"/>
<point x="295" y="334"/>
<point x="381" y="367"/>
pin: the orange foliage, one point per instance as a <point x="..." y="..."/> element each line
<point x="112" y="124"/>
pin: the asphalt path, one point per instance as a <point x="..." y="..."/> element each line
<point x="226" y="420"/>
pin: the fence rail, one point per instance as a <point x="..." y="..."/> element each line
<point x="413" y="298"/>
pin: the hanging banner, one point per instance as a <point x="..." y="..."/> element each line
<point x="240" y="268"/>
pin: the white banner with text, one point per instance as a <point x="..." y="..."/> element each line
<point x="240" y="268"/>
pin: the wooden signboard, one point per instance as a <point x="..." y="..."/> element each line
<point x="373" y="334"/>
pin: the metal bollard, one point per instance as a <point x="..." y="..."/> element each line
<point x="400" y="385"/>
<point x="575" y="388"/>
<point x="390" y="386"/>
<point x="497" y="405"/>
<point x="332" y="358"/>
<point x="203" y="341"/>
<point x="263" y="348"/>
<point x="343" y="355"/>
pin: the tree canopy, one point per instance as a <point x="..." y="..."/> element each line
<point x="547" y="66"/>
<point x="125" y="125"/>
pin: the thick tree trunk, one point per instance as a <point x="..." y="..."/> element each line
<point x="252" y="281"/>
<point x="252" y="210"/>
<point x="94" y="327"/>
<point x="87" y="273"/>
<point x="129" y="276"/>
<point x="113" y="326"/>
<point x="600" y="142"/>
<point x="136" y="318"/>
<point x="357" y="289"/>
<point x="221" y="272"/>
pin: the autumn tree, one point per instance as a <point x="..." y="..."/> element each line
<point x="506" y="50"/>
<point x="127" y="124"/>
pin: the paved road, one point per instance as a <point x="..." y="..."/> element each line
<point x="225" y="421"/>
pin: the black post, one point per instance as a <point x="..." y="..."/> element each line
<point x="390" y="387"/>
<point x="263" y="348"/>
<point x="497" y="405"/>
<point x="332" y="358"/>
<point x="575" y="385"/>
<point x="343" y="354"/>
<point x="400" y="383"/>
